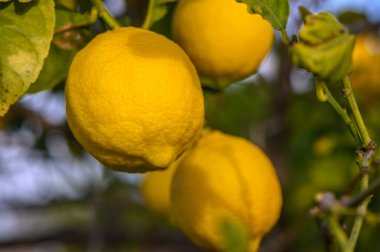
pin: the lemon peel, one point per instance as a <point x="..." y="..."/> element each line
<point x="134" y="100"/>
<point x="225" y="178"/>
<point x="225" y="42"/>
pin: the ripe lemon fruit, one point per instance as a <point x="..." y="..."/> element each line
<point x="134" y="100"/>
<point x="155" y="188"/>
<point x="366" y="64"/>
<point x="225" y="179"/>
<point x="224" y="41"/>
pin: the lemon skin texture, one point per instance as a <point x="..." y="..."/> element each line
<point x="134" y="100"/>
<point x="225" y="178"/>
<point x="155" y="188"/>
<point x="224" y="41"/>
<point x="366" y="64"/>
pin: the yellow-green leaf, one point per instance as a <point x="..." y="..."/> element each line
<point x="325" y="47"/>
<point x="26" y="31"/>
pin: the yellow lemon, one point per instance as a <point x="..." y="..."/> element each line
<point x="134" y="100"/>
<point x="225" y="179"/>
<point x="366" y="64"/>
<point x="224" y="41"/>
<point x="155" y="188"/>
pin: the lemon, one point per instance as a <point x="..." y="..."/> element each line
<point x="225" y="179"/>
<point x="366" y="64"/>
<point x="223" y="40"/>
<point x="134" y="100"/>
<point x="155" y="188"/>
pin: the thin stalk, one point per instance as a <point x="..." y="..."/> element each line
<point x="342" y="112"/>
<point x="338" y="233"/>
<point x="364" y="161"/>
<point x="105" y="14"/>
<point x="349" y="94"/>
<point x="375" y="185"/>
<point x="361" y="211"/>
<point x="284" y="36"/>
<point x="148" y="17"/>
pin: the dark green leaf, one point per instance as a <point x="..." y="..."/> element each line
<point x="157" y="9"/>
<point x="325" y="47"/>
<point x="275" y="11"/>
<point x="26" y="30"/>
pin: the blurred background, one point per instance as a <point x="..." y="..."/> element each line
<point x="56" y="197"/>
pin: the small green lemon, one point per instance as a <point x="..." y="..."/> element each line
<point x="225" y="179"/>
<point x="134" y="100"/>
<point x="225" y="42"/>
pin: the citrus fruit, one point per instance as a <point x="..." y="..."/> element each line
<point x="155" y="188"/>
<point x="225" y="179"/>
<point x="366" y="64"/>
<point x="134" y="100"/>
<point x="224" y="41"/>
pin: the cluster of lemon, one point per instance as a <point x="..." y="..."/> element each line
<point x="135" y="102"/>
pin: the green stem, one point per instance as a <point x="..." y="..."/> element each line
<point x="148" y="16"/>
<point x="342" y="112"/>
<point x="355" y="111"/>
<point x="105" y="14"/>
<point x="338" y="233"/>
<point x="375" y="185"/>
<point x="361" y="211"/>
<point x="365" y="161"/>
<point x="285" y="38"/>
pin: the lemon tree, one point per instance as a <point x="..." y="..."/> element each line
<point x="134" y="100"/>
<point x="224" y="41"/>
<point x="225" y="179"/>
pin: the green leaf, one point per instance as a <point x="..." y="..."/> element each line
<point x="26" y="30"/>
<point x="325" y="47"/>
<point x="63" y="49"/>
<point x="274" y="11"/>
<point x="157" y="9"/>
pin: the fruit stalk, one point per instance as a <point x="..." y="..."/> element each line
<point x="105" y="14"/>
<point x="148" y="16"/>
<point x="342" y="112"/>
<point x="365" y="161"/>
<point x="349" y="94"/>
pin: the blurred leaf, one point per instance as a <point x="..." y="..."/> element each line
<point x="274" y="11"/>
<point x="63" y="49"/>
<point x="247" y="104"/>
<point x="26" y="30"/>
<point x="350" y="17"/>
<point x="157" y="9"/>
<point x="325" y="48"/>
<point x="332" y="172"/>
